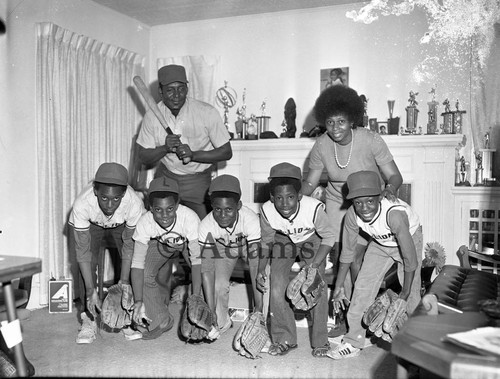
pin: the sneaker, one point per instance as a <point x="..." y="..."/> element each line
<point x="131" y="334"/>
<point x="227" y="326"/>
<point x="88" y="331"/>
<point x="344" y="350"/>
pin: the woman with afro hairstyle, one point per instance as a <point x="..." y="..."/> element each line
<point x="343" y="150"/>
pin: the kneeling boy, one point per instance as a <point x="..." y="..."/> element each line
<point x="396" y="237"/>
<point x="165" y="230"/>
<point x="229" y="232"/>
<point x="293" y="224"/>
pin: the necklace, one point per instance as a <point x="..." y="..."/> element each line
<point x="350" y="152"/>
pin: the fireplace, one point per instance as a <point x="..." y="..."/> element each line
<point x="427" y="163"/>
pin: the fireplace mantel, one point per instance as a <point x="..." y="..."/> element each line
<point x="427" y="162"/>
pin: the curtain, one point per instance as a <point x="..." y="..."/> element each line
<point x="486" y="98"/>
<point x="203" y="75"/>
<point x="87" y="114"/>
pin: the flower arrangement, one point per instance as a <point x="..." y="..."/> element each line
<point x="434" y="256"/>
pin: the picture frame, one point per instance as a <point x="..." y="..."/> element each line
<point x="329" y="76"/>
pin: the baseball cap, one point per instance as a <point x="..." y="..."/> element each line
<point x="172" y="73"/>
<point x="363" y="183"/>
<point x="227" y="183"/>
<point x="163" y="184"/>
<point x="285" y="170"/>
<point x="112" y="173"/>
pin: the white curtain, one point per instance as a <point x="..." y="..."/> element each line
<point x="486" y="115"/>
<point x="87" y="114"/>
<point x="203" y="75"/>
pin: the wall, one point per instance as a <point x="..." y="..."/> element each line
<point x="279" y="55"/>
<point x="18" y="147"/>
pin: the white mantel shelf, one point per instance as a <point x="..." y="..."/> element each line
<point x="427" y="162"/>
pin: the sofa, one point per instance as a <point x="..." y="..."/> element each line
<point x="462" y="288"/>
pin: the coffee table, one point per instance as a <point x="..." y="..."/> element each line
<point x="420" y="342"/>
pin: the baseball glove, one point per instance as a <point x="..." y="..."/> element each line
<point x="396" y="317"/>
<point x="374" y="316"/>
<point x="252" y="337"/>
<point x="113" y="314"/>
<point x="304" y="291"/>
<point x="197" y="319"/>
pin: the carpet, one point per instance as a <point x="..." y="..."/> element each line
<point x="49" y="344"/>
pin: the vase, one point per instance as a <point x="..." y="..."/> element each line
<point x="426" y="275"/>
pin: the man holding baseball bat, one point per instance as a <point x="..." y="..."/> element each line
<point x="199" y="140"/>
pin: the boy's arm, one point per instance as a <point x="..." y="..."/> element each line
<point x="325" y="230"/>
<point x="267" y="235"/>
<point x="195" y="259"/>
<point x="349" y="239"/>
<point x="127" y="253"/>
<point x="400" y="226"/>
<point x="208" y="279"/>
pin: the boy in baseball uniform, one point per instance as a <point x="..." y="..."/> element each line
<point x="292" y="224"/>
<point x="107" y="207"/>
<point x="396" y="237"/>
<point x="229" y="232"/>
<point x="167" y="229"/>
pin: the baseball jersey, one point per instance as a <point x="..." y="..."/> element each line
<point x="309" y="218"/>
<point x="200" y="126"/>
<point x="86" y="210"/>
<point x="380" y="229"/>
<point x="246" y="229"/>
<point x="182" y="232"/>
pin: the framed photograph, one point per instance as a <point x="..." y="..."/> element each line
<point x="333" y="76"/>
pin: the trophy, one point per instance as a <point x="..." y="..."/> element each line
<point x="263" y="120"/>
<point x="412" y="113"/>
<point x="447" y="117"/>
<point x="432" y="113"/>
<point x="392" y="122"/>
<point x="225" y="97"/>
<point x="456" y="127"/>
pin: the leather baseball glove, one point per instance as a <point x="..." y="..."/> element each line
<point x="396" y="317"/>
<point x="197" y="320"/>
<point x="374" y="316"/>
<point x="113" y="312"/>
<point x="252" y="337"/>
<point x="304" y="291"/>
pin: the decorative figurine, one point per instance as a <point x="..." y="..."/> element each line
<point x="487" y="140"/>
<point x="412" y="113"/>
<point x="289" y="127"/>
<point x="446" y="104"/>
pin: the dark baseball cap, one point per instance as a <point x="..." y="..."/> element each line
<point x="363" y="183"/>
<point x="172" y="73"/>
<point x="163" y="185"/>
<point x="285" y="170"/>
<point x="226" y="183"/>
<point x="112" y="173"/>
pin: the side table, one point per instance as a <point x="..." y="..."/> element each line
<point x="12" y="267"/>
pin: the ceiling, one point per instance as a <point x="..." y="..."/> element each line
<point x="159" y="12"/>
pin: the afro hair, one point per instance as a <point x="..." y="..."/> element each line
<point x="337" y="100"/>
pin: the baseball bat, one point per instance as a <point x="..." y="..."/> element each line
<point x="150" y="102"/>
